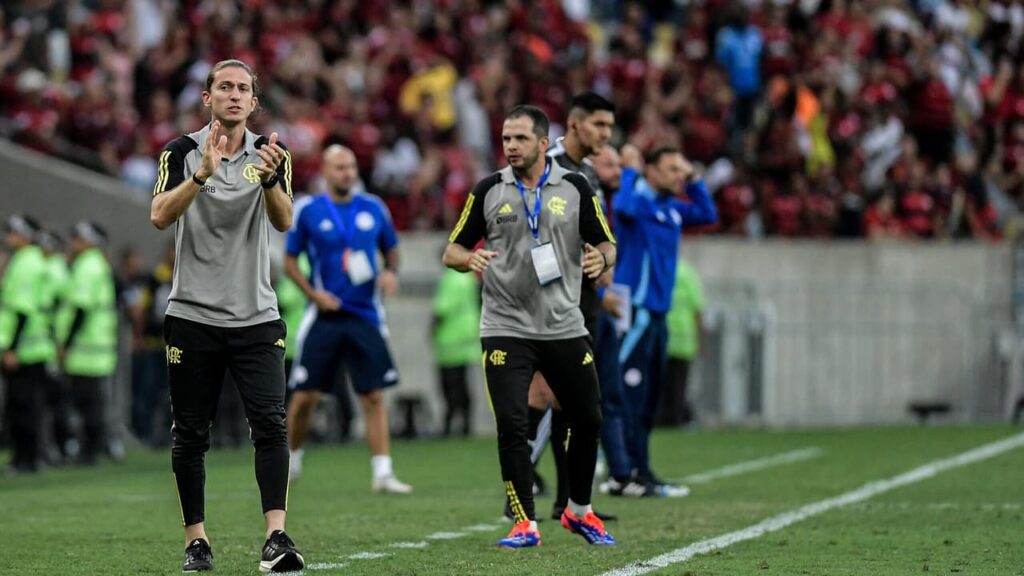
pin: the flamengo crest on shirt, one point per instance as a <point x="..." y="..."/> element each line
<point x="556" y="206"/>
<point x="250" y="173"/>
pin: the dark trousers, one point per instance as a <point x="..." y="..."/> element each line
<point x="88" y="395"/>
<point x="568" y="367"/>
<point x="455" y="389"/>
<point x="673" y="408"/>
<point x="56" y="406"/>
<point x="613" y="425"/>
<point x="197" y="357"/>
<point x="613" y="410"/>
<point x="150" y="411"/>
<point x="24" y="400"/>
<point x="229" y="423"/>
<point x="643" y="356"/>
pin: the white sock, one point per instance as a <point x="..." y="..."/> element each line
<point x="579" y="510"/>
<point x="533" y="525"/>
<point x="296" y="455"/>
<point x="381" y="465"/>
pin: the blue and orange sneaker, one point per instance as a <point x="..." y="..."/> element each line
<point x="590" y="527"/>
<point x="521" y="536"/>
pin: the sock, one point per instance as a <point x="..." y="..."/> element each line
<point x="381" y="464"/>
<point x="579" y="510"/>
<point x="533" y="525"/>
<point x="297" y="454"/>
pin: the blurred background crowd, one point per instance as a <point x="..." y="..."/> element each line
<point x="816" y="118"/>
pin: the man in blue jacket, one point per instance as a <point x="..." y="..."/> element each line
<point x="650" y="219"/>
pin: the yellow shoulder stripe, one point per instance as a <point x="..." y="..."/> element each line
<point x="600" y="217"/>
<point x="161" y="175"/>
<point x="462" y="219"/>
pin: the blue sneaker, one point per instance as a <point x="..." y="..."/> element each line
<point x="521" y="536"/>
<point x="590" y="527"/>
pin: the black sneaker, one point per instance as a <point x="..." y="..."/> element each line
<point x="280" y="555"/>
<point x="631" y="488"/>
<point x="663" y="487"/>
<point x="198" y="557"/>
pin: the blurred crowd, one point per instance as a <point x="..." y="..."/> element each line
<point x="818" y="118"/>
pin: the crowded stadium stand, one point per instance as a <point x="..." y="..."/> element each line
<point x="818" y="118"/>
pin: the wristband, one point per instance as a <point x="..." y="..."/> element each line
<point x="198" y="182"/>
<point x="604" y="259"/>
<point x="270" y="183"/>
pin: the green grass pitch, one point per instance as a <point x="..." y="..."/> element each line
<point x="123" y="518"/>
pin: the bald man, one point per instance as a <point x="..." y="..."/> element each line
<point x="341" y="232"/>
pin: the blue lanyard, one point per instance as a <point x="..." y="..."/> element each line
<point x="346" y="229"/>
<point x="533" y="220"/>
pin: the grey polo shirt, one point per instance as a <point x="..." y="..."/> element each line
<point x="514" y="303"/>
<point x="222" y="241"/>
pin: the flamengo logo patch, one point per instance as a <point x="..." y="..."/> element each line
<point x="173" y="355"/>
<point x="557" y="206"/>
<point x="498" y="358"/>
<point x="250" y="173"/>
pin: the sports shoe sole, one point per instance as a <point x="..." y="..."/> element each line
<point x="288" y="562"/>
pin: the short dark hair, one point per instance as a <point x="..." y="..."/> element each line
<point x="590" y="102"/>
<point x="232" y="63"/>
<point x="654" y="156"/>
<point x="541" y="124"/>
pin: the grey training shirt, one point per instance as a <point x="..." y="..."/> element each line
<point x="222" y="241"/>
<point x="514" y="303"/>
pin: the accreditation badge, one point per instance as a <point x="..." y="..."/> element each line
<point x="358" y="268"/>
<point x="545" y="263"/>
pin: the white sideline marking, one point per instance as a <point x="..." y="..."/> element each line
<point x="326" y="566"/>
<point x="408" y="545"/>
<point x="482" y="527"/>
<point x="368" y="555"/>
<point x="753" y="465"/>
<point x="783" y="520"/>
<point x="445" y="535"/>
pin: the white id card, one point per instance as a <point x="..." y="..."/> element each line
<point x="358" y="268"/>
<point x="545" y="263"/>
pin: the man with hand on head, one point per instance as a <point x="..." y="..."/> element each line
<point x="650" y="219"/>
<point x="222" y="188"/>
<point x="341" y="233"/>
<point x="543" y="229"/>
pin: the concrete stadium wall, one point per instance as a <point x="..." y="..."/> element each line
<point x="851" y="332"/>
<point x="59" y="194"/>
<point x="854" y="332"/>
